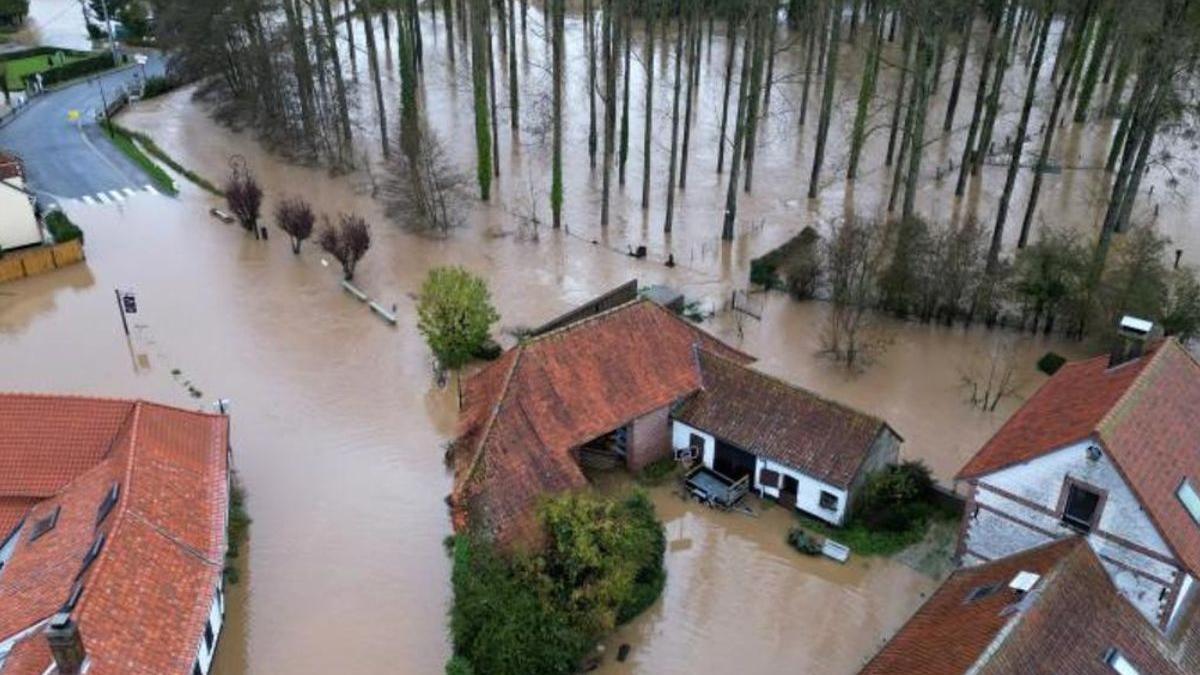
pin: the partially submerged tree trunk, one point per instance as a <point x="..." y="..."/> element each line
<point x="826" y="108"/>
<point x="866" y="92"/>
<point x="674" y="124"/>
<point x="556" y="179"/>
<point x="739" y="131"/>
<point x="649" y="114"/>
<point x="968" y="155"/>
<point x="479" y="83"/>
<point x="731" y="48"/>
<point x="373" y="62"/>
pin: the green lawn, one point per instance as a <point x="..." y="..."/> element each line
<point x="16" y="70"/>
<point x="126" y="145"/>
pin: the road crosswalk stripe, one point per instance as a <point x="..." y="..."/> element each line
<point x="103" y="200"/>
<point x="117" y="196"/>
<point x="87" y="199"/>
<point x="151" y="190"/>
<point x="130" y="192"/>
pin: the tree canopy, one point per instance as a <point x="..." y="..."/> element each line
<point x="455" y="314"/>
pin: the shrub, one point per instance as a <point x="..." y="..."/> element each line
<point x="794" y="265"/>
<point x="80" y="68"/>
<point x="296" y="218"/>
<point x="157" y="85"/>
<point x="347" y="242"/>
<point x="657" y="473"/>
<point x="1050" y="363"/>
<point x="455" y="315"/>
<point x="896" y="498"/>
<point x="540" y="613"/>
<point x="61" y="228"/>
<point x="244" y="197"/>
<point x="804" y="542"/>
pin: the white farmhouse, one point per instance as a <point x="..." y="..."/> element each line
<point x="789" y="444"/>
<point x="18" y="224"/>
<point x="1109" y="449"/>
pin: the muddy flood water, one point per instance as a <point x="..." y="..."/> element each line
<point x="338" y="423"/>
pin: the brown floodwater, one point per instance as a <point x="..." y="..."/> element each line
<point x="338" y="423"/>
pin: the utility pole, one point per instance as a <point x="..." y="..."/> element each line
<point x="112" y="41"/>
<point x="121" y="311"/>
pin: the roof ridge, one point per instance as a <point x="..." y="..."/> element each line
<point x="1139" y="383"/>
<point x="120" y="508"/>
<point x="579" y="322"/>
<point x="487" y="428"/>
<point x="75" y="397"/>
<point x="779" y="381"/>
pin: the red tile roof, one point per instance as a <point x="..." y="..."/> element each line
<point x="10" y="166"/>
<point x="147" y="595"/>
<point x="524" y="413"/>
<point x="774" y="419"/>
<point x="1064" y="625"/>
<point x="1146" y="415"/>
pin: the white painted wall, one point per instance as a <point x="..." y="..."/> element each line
<point x="808" y="497"/>
<point x="18" y="227"/>
<point x="216" y="617"/>
<point x="1040" y="481"/>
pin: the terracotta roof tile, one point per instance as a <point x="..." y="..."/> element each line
<point x="525" y="413"/>
<point x="1146" y="414"/>
<point x="146" y="596"/>
<point x="1065" y="625"/>
<point x="777" y="420"/>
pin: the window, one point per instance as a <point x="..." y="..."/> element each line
<point x="1117" y="661"/>
<point x="829" y="501"/>
<point x="1081" y="508"/>
<point x="44" y="525"/>
<point x="106" y="506"/>
<point x="981" y="592"/>
<point x="768" y="478"/>
<point x="73" y="598"/>
<point x="1191" y="500"/>
<point x="90" y="557"/>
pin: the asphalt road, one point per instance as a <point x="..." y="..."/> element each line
<point x="74" y="160"/>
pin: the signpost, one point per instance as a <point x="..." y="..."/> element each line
<point x="126" y="304"/>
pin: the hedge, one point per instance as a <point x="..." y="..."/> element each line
<point x="61" y="227"/>
<point x="80" y="68"/>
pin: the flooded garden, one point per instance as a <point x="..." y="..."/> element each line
<point x="339" y="422"/>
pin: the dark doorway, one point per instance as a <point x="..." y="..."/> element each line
<point x="733" y="462"/>
<point x="788" y="491"/>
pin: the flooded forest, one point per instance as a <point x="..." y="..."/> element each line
<point x="950" y="189"/>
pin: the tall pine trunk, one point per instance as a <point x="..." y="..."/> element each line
<point x="866" y="92"/>
<point x="623" y="151"/>
<point x="739" y="130"/>
<point x="826" y="105"/>
<point x="693" y="68"/>
<point x="649" y="115"/>
<point x="611" y="40"/>
<point x="590" y="38"/>
<point x="373" y="64"/>
<point x="993" y="102"/>
<point x="479" y="84"/>
<point x="556" y="178"/>
<point x="905" y="66"/>
<point x="667" y="224"/>
<point x="1014" y="164"/>
<point x="968" y="154"/>
<point x="960" y="66"/>
<point x="731" y="44"/>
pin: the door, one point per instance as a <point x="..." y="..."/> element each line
<point x="789" y="490"/>
<point x="733" y="462"/>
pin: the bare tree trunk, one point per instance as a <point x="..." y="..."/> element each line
<point x="752" y="109"/>
<point x="993" y="103"/>
<point x="339" y="82"/>
<point x="675" y="121"/>
<point x="649" y="115"/>
<point x="623" y="151"/>
<point x="905" y="66"/>
<point x="866" y="92"/>
<point x="1092" y="74"/>
<point x="959" y="67"/>
<point x="611" y="41"/>
<point x="348" y="17"/>
<point x="590" y="39"/>
<point x="925" y="71"/>
<point x="968" y="156"/>
<point x="514" y="98"/>
<point x="729" y="56"/>
<point x="479" y="84"/>
<point x="810" y="49"/>
<point x="1014" y="163"/>
<point x="373" y="63"/>
<point x="556" y="180"/>
<point x="693" y="68"/>
<point x="739" y="129"/>
<point x="491" y="76"/>
<point x="826" y="107"/>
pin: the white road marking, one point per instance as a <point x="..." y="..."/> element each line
<point x="130" y="192"/>
<point x="87" y="199"/>
<point x="150" y="189"/>
<point x="117" y="196"/>
<point x="103" y="200"/>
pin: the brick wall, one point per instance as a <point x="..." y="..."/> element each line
<point x="649" y="439"/>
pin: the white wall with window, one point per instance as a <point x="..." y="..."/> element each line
<point x="1076" y="489"/>
<point x="212" y="630"/>
<point x="812" y="496"/>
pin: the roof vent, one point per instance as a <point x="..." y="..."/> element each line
<point x="1023" y="582"/>
<point x="1134" y="334"/>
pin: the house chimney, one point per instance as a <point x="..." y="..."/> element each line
<point x="1134" y="333"/>
<point x="66" y="644"/>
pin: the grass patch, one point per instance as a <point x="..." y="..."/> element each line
<point x="124" y="142"/>
<point x="657" y="473"/>
<point x="158" y="153"/>
<point x="16" y="70"/>
<point x="865" y="541"/>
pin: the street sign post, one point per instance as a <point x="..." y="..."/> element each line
<point x="126" y="304"/>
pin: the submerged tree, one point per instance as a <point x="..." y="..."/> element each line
<point x="296" y="218"/>
<point x="853" y="264"/>
<point x="347" y="241"/>
<point x="455" y="314"/>
<point x="244" y="197"/>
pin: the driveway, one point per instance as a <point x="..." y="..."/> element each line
<point x="67" y="159"/>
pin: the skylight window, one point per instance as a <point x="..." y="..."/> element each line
<point x="91" y="554"/>
<point x="43" y="525"/>
<point x="1191" y="500"/>
<point x="73" y="598"/>
<point x="106" y="506"/>
<point x="981" y="592"/>
<point x="1117" y="661"/>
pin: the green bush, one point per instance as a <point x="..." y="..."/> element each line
<point x="602" y="565"/>
<point x="488" y="350"/>
<point x="658" y="472"/>
<point x="795" y="265"/>
<point x="804" y="542"/>
<point x="157" y="85"/>
<point x="1050" y="363"/>
<point x="80" y="68"/>
<point x="61" y="228"/>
